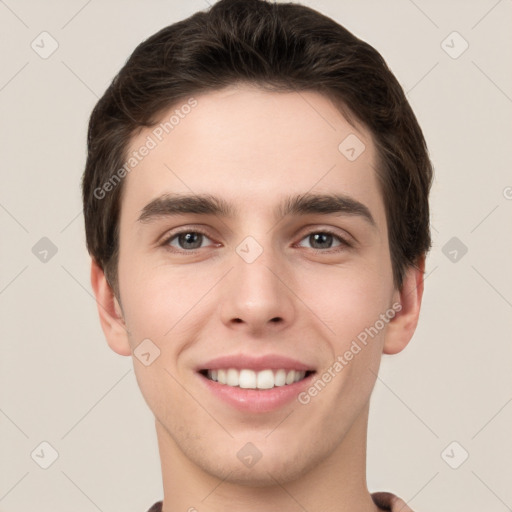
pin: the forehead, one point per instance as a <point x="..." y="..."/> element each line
<point x="252" y="148"/>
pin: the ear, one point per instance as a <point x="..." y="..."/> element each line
<point x="110" y="312"/>
<point x="401" y="328"/>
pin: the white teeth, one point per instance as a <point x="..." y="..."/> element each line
<point x="232" y="377"/>
<point x="249" y="379"/>
<point x="280" y="378"/>
<point x="265" y="379"/>
<point x="221" y="376"/>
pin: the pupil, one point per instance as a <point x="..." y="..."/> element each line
<point x="321" y="238"/>
<point x="188" y="238"/>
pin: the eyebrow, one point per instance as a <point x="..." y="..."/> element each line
<point x="206" y="204"/>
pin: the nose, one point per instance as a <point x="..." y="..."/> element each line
<point x="257" y="297"/>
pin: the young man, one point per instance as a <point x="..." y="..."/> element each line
<point x="256" y="209"/>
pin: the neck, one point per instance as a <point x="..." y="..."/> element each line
<point x="334" y="484"/>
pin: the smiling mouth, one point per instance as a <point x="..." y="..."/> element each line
<point x="250" y="379"/>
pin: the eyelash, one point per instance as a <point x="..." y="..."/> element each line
<point x="344" y="244"/>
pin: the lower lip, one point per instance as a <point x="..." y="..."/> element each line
<point x="257" y="400"/>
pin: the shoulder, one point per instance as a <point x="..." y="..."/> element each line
<point x="157" y="507"/>
<point x="384" y="500"/>
<point x="391" y="502"/>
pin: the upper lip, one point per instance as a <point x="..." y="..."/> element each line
<point x="243" y="361"/>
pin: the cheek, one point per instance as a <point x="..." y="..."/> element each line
<point x="162" y="303"/>
<point x="158" y="305"/>
<point x="347" y="300"/>
<point x="353" y="305"/>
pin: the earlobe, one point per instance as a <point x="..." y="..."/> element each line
<point x="110" y="312"/>
<point x="401" y="328"/>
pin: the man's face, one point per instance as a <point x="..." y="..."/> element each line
<point x="271" y="292"/>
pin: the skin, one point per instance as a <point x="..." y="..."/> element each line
<point x="252" y="148"/>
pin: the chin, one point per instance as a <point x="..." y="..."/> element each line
<point x="268" y="471"/>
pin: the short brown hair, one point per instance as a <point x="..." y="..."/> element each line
<point x="280" y="47"/>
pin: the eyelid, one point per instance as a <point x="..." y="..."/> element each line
<point x="165" y="239"/>
<point x="340" y="233"/>
<point x="189" y="228"/>
<point x="346" y="240"/>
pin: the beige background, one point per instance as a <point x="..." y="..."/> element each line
<point x="61" y="384"/>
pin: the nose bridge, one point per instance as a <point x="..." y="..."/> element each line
<point x="256" y="266"/>
<point x="256" y="294"/>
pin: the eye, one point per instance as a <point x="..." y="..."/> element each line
<point x="191" y="240"/>
<point x="324" y="240"/>
<point x="186" y="241"/>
